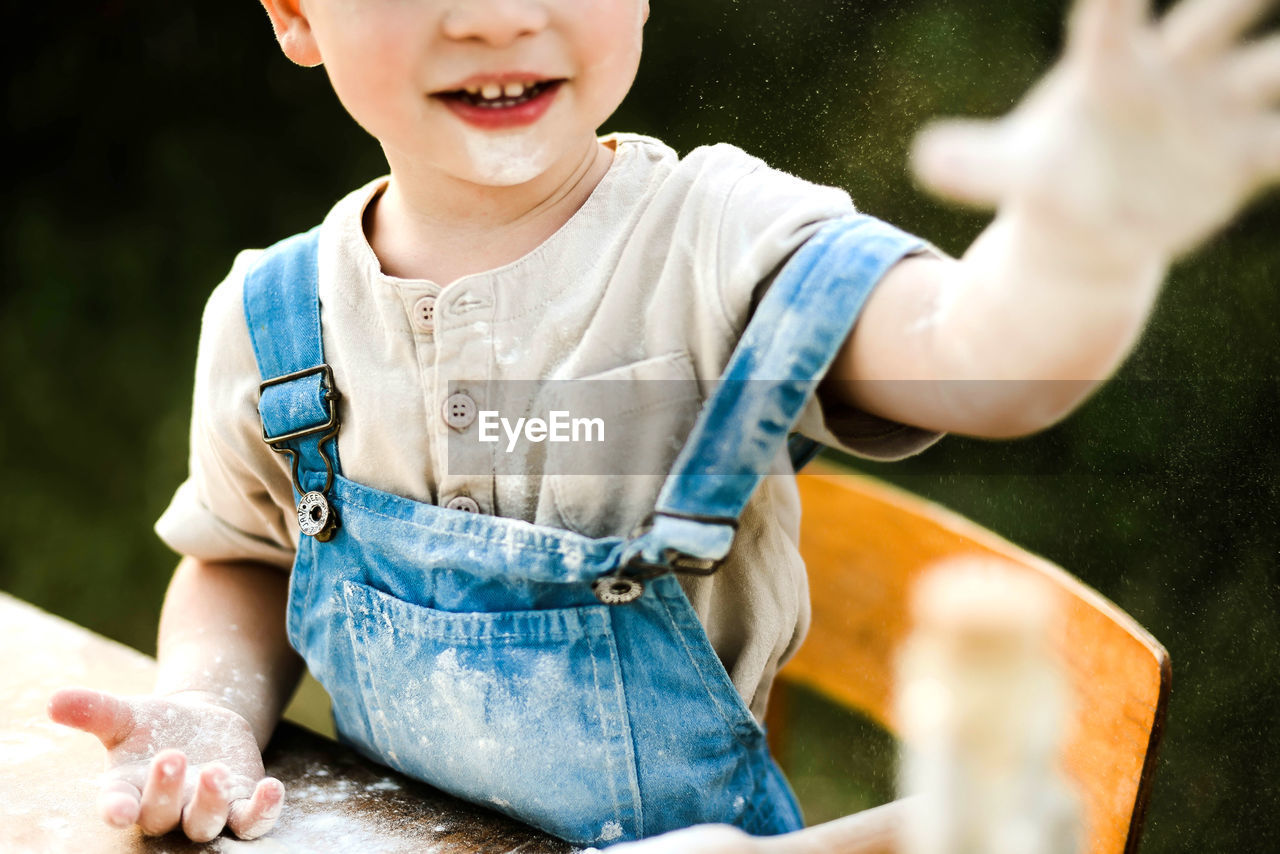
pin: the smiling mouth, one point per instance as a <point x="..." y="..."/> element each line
<point x="498" y="96"/>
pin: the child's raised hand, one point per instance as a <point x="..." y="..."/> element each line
<point x="175" y="761"/>
<point x="1145" y="139"/>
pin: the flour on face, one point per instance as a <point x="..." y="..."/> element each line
<point x="506" y="159"/>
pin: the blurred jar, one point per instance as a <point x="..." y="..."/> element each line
<point x="982" y="705"/>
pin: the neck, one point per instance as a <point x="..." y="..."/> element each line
<point x="431" y="226"/>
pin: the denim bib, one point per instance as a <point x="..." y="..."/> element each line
<point x="477" y="653"/>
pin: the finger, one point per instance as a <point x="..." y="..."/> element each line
<point x="962" y="160"/>
<point x="1099" y="28"/>
<point x="253" y="816"/>
<point x="1195" y="30"/>
<point x="161" y="806"/>
<point x="1253" y="73"/>
<point x="119" y="802"/>
<point x="1268" y="148"/>
<point x="205" y="814"/>
<point x="104" y="715"/>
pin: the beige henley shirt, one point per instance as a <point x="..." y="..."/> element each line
<point x="653" y="277"/>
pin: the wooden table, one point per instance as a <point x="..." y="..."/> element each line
<point x="335" y="800"/>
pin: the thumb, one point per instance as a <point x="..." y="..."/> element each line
<point x="104" y="715"/>
<point x="962" y="160"/>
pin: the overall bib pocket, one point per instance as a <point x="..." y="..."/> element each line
<point x="522" y="711"/>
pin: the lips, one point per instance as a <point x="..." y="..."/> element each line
<point x="498" y="102"/>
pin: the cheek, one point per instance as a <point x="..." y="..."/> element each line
<point x="611" y="40"/>
<point x="368" y="93"/>
<point x="372" y="77"/>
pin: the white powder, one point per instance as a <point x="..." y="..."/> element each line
<point x="329" y="792"/>
<point x="506" y="357"/>
<point x="506" y="159"/>
<point x="572" y="560"/>
<point x="611" y="831"/>
<point x="56" y="825"/>
<point x="327" y="813"/>
<point x="326" y="831"/>
<point x="477" y="719"/>
<point x="939" y="308"/>
<point x="19" y="747"/>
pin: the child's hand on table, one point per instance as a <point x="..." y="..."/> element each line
<point x="181" y="760"/>
<point x="1145" y="139"/>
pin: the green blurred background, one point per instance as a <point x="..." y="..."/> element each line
<point x="152" y="141"/>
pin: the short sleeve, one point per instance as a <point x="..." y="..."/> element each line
<point x="839" y="425"/>
<point x="768" y="215"/>
<point x="230" y="506"/>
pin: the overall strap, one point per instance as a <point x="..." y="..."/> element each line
<point x="786" y="349"/>
<point x="298" y="403"/>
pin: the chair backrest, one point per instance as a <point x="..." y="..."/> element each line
<point x="865" y="542"/>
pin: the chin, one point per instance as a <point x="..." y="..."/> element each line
<point x="506" y="160"/>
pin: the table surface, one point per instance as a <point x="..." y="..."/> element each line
<point x="336" y="800"/>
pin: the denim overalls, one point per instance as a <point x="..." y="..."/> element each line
<point x="560" y="679"/>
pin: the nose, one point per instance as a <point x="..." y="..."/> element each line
<point x="494" y="22"/>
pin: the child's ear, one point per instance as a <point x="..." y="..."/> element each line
<point x="293" y="31"/>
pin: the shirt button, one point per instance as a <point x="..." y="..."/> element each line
<point x="464" y="503"/>
<point x="424" y="314"/>
<point x="459" y="410"/>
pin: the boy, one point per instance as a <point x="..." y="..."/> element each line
<point x="1139" y="145"/>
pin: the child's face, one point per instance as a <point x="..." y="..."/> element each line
<point x="493" y="92"/>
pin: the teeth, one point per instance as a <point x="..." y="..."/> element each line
<point x="495" y="91"/>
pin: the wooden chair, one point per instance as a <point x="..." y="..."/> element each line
<point x="864" y="543"/>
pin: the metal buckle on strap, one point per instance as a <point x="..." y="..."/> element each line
<point x="315" y="517"/>
<point x="331" y="397"/>
<point x="626" y="583"/>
